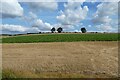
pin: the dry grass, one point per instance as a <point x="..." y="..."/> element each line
<point x="63" y="59"/>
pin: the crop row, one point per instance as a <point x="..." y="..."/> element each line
<point x="61" y="38"/>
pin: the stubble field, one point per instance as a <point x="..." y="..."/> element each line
<point x="60" y="59"/>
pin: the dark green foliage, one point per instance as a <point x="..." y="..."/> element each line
<point x="61" y="38"/>
<point x="83" y="30"/>
<point x="52" y="30"/>
<point x="59" y="30"/>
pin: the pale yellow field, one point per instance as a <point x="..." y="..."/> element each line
<point x="62" y="59"/>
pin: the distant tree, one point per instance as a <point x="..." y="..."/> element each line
<point x="59" y="30"/>
<point x="53" y="30"/>
<point x="83" y="30"/>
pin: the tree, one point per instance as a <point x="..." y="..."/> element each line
<point x="52" y="30"/>
<point x="59" y="30"/>
<point x="83" y="30"/>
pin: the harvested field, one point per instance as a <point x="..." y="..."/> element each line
<point x="61" y="59"/>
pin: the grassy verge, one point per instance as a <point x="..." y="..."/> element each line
<point x="23" y="74"/>
<point x="61" y="38"/>
<point x="0" y="75"/>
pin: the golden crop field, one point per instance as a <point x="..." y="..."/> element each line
<point x="60" y="59"/>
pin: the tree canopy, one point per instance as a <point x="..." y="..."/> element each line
<point x="59" y="30"/>
<point x="52" y="30"/>
<point x="83" y="30"/>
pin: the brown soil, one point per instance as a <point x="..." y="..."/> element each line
<point x="98" y="59"/>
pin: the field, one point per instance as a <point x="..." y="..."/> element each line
<point x="60" y="56"/>
<point x="61" y="38"/>
<point x="64" y="59"/>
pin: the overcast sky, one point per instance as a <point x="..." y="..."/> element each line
<point x="24" y="17"/>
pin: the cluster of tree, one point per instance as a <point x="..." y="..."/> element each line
<point x="83" y="30"/>
<point x="59" y="30"/>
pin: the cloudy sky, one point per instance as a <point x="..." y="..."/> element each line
<point x="24" y="17"/>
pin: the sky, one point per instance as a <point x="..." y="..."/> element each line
<point x="26" y="17"/>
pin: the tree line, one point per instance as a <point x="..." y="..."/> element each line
<point x="83" y="30"/>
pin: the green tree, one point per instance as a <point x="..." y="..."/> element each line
<point x="59" y="30"/>
<point x="53" y="30"/>
<point x="83" y="30"/>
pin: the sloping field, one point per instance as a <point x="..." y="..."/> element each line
<point x="61" y="38"/>
<point x="63" y="59"/>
